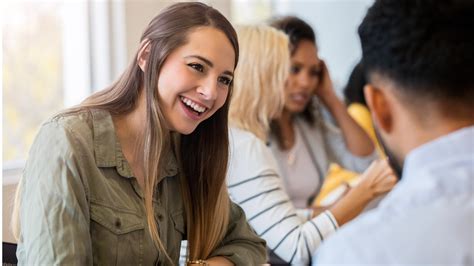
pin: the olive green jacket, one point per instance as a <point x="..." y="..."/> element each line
<point x="81" y="205"/>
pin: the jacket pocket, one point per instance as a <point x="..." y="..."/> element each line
<point x="117" y="235"/>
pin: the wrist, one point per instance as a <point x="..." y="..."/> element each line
<point x="363" y="193"/>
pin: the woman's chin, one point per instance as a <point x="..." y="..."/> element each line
<point x="186" y="131"/>
<point x="295" y="108"/>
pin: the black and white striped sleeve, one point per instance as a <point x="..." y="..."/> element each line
<point x="254" y="183"/>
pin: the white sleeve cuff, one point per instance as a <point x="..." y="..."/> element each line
<point x="324" y="224"/>
<point x="328" y="213"/>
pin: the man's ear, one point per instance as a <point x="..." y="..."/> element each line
<point x="143" y="55"/>
<point x="380" y="107"/>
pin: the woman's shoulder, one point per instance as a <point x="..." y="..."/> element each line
<point x="241" y="137"/>
<point x="62" y="137"/>
<point x="73" y="126"/>
<point x="76" y="120"/>
<point x="247" y="146"/>
<point x="249" y="156"/>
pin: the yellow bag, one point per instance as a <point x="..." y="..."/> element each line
<point x="335" y="184"/>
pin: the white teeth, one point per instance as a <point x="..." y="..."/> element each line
<point x="196" y="107"/>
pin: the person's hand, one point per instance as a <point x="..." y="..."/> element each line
<point x="319" y="209"/>
<point x="325" y="89"/>
<point x="378" y="179"/>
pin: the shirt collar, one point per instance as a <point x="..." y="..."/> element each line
<point x="426" y="172"/>
<point x="108" y="152"/>
<point x="455" y="145"/>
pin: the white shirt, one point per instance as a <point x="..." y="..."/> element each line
<point x="427" y="219"/>
<point x="254" y="183"/>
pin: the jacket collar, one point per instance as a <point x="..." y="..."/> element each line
<point x="108" y="152"/>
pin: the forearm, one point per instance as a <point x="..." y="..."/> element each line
<point x="240" y="246"/>
<point x="351" y="205"/>
<point x="356" y="139"/>
<point x="274" y="217"/>
<point x="376" y="180"/>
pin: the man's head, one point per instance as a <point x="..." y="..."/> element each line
<point x="419" y="60"/>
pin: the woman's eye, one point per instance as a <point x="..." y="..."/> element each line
<point x="225" y="80"/>
<point x="197" y="67"/>
<point x="295" y="69"/>
<point x="316" y="73"/>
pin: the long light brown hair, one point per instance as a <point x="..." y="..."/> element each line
<point x="203" y="186"/>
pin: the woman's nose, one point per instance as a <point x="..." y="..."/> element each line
<point x="303" y="79"/>
<point x="208" y="89"/>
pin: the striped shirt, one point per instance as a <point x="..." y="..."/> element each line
<point x="254" y="183"/>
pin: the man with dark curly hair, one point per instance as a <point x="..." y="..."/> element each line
<point x="419" y="57"/>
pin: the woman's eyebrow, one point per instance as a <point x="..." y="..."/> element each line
<point x="209" y="63"/>
<point x="205" y="60"/>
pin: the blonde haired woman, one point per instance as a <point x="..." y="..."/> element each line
<point x="253" y="179"/>
<point x="260" y="76"/>
<point x="126" y="176"/>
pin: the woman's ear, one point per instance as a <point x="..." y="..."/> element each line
<point x="143" y="54"/>
<point x="380" y="107"/>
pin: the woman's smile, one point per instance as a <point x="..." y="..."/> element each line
<point x="193" y="109"/>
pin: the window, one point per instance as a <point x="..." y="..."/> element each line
<point x="55" y="53"/>
<point x="32" y="70"/>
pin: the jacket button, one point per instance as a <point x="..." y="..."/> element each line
<point x="160" y="217"/>
<point x="118" y="223"/>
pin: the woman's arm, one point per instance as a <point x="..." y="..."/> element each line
<point x="356" y="139"/>
<point x="254" y="184"/>
<point x="240" y="246"/>
<point x="376" y="180"/>
<point x="54" y="214"/>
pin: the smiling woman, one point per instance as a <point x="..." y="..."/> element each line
<point x="125" y="176"/>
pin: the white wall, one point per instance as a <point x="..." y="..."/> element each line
<point x="335" y="23"/>
<point x="138" y="14"/>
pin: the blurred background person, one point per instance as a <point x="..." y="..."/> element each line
<point x="254" y="180"/>
<point x="302" y="140"/>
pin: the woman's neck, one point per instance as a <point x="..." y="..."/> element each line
<point x="129" y="129"/>
<point x="287" y="131"/>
